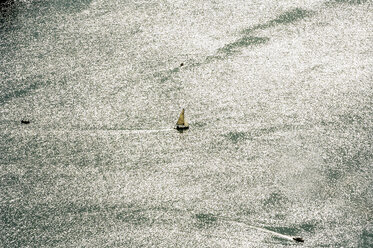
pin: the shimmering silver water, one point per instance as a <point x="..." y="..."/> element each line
<point x="278" y="95"/>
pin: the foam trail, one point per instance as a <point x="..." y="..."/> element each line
<point x="280" y="235"/>
<point x="90" y="131"/>
<point x="271" y="232"/>
<point x="140" y="131"/>
<point x="229" y="220"/>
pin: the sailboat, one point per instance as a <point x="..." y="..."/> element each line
<point x="182" y="124"/>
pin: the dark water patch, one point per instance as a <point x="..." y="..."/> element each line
<point x="347" y="148"/>
<point x="205" y="220"/>
<point x="12" y="216"/>
<point x="40" y="225"/>
<point x="36" y="11"/>
<point x="237" y="137"/>
<point x="334" y="174"/>
<point x="6" y="2"/>
<point x="8" y="13"/>
<point x="257" y="27"/>
<point x="288" y="17"/>
<point x="347" y="157"/>
<point x="62" y="5"/>
<point x="346" y="121"/>
<point x="249" y="40"/>
<point x="164" y="76"/>
<point x="134" y="217"/>
<point x="309" y="227"/>
<point x="366" y="237"/>
<point x="171" y="91"/>
<point x="199" y="124"/>
<point x="49" y="224"/>
<point x="352" y="2"/>
<point x="80" y="208"/>
<point x="240" y="136"/>
<point x="275" y="199"/>
<point x="5" y="5"/>
<point x="350" y="119"/>
<point x="21" y="88"/>
<point x="243" y="42"/>
<point x="248" y="209"/>
<point x="359" y="158"/>
<point x="9" y="180"/>
<point x="290" y="231"/>
<point x="18" y="93"/>
<point x="212" y="58"/>
<point x="22" y="225"/>
<point x="267" y="130"/>
<point x="292" y="16"/>
<point x="252" y="158"/>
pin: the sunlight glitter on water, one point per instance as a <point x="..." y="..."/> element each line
<point x="280" y="107"/>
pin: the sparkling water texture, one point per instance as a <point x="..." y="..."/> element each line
<point x="278" y="96"/>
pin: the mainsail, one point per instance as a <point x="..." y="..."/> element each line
<point x="181" y="122"/>
<point x="181" y="119"/>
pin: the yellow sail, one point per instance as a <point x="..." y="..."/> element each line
<point x="181" y="119"/>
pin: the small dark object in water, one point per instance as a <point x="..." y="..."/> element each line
<point x="25" y="122"/>
<point x="298" y="239"/>
<point x="182" y="64"/>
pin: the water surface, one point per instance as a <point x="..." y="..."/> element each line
<point x="278" y="95"/>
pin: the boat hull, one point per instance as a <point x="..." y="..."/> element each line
<point x="181" y="127"/>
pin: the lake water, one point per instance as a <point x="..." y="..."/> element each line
<point x="278" y="94"/>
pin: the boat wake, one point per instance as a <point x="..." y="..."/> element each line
<point x="276" y="234"/>
<point x="209" y="218"/>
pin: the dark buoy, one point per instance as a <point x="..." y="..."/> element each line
<point x="298" y="239"/>
<point x="182" y="64"/>
<point x="25" y="122"/>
